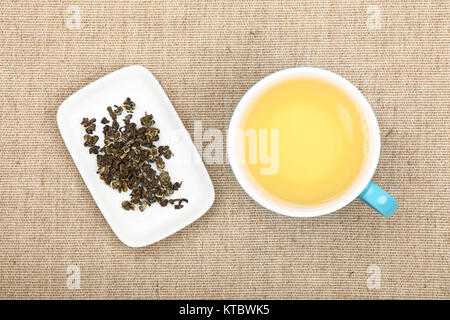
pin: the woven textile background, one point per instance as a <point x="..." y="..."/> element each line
<point x="206" y="54"/>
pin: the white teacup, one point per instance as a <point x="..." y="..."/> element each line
<point x="367" y="191"/>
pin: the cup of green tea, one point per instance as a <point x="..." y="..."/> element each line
<point x="305" y="142"/>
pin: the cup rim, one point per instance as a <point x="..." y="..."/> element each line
<point x="307" y="211"/>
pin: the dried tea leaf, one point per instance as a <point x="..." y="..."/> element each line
<point x="125" y="161"/>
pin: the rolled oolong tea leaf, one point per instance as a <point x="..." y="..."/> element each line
<point x="104" y="120"/>
<point x="127" y="205"/>
<point x="89" y="125"/>
<point x="118" y="110"/>
<point x="129" y="105"/>
<point x="129" y="159"/>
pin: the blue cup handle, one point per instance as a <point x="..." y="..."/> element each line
<point x="378" y="199"/>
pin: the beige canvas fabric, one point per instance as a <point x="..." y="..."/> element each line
<point x="206" y="54"/>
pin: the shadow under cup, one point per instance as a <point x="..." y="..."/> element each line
<point x="361" y="183"/>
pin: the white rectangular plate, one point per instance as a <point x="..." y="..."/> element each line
<point x="135" y="228"/>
